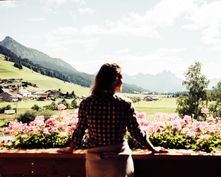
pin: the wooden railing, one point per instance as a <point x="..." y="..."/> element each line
<point x="49" y="163"/>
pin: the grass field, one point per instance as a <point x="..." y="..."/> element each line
<point x="164" y="105"/>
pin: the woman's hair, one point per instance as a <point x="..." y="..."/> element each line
<point x="108" y="77"/>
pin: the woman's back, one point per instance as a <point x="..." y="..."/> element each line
<point x="107" y="117"/>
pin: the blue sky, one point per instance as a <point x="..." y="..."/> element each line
<point x="145" y="36"/>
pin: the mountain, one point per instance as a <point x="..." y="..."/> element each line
<point x="164" y="81"/>
<point x="46" y="65"/>
<point x="8" y="71"/>
<point x="46" y="61"/>
<point x="35" y="56"/>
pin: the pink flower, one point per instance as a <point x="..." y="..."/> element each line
<point x="177" y="124"/>
<point x="46" y="131"/>
<point x="210" y="120"/>
<point x="188" y="132"/>
<point x="187" y="119"/>
<point x="141" y="115"/>
<point x="153" y="127"/>
<point x="204" y="110"/>
<point x="204" y="137"/>
<point x="61" y="107"/>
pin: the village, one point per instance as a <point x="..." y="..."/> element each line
<point x="12" y="90"/>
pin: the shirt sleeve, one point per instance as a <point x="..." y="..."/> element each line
<point x="135" y="130"/>
<point x="81" y="125"/>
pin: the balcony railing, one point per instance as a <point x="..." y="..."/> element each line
<point x="49" y="163"/>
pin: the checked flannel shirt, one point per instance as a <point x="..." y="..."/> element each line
<point x="107" y="117"/>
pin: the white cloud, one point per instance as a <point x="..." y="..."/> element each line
<point x="80" y="2"/>
<point x="37" y="19"/>
<point x="85" y="10"/>
<point x="197" y="15"/>
<point x="51" y="5"/>
<point x="65" y="31"/>
<point x="205" y="18"/>
<point x="66" y="42"/>
<point x="123" y="51"/>
<point x="54" y="3"/>
<point x="163" y="15"/>
<point x="193" y="15"/>
<point x="8" y="4"/>
<point x="61" y="37"/>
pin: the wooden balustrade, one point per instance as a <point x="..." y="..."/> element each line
<point x="49" y="163"/>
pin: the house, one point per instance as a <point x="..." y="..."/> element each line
<point x="4" y="96"/>
<point x="151" y="98"/>
<point x="40" y="95"/>
<point x="25" y="93"/>
<point x="1" y="90"/>
<point x="53" y="93"/>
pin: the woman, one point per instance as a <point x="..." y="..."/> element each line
<point x="108" y="117"/>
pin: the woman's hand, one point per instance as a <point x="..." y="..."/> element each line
<point x="159" y="149"/>
<point x="66" y="150"/>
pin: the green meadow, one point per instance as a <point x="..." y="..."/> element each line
<point x="163" y="105"/>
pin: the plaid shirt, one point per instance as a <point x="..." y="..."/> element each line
<point x="107" y="118"/>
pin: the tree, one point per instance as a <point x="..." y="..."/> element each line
<point x="215" y="107"/>
<point x="35" y="107"/>
<point x="74" y="103"/>
<point x="196" y="84"/>
<point x="18" y="65"/>
<point x="73" y="95"/>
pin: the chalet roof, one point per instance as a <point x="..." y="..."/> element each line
<point x="1" y="91"/>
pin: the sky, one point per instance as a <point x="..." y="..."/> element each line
<point x="143" y="36"/>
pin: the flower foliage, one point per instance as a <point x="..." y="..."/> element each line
<point x="167" y="130"/>
<point x="41" y="133"/>
<point x="173" y="132"/>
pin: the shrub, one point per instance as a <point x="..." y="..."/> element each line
<point x="74" y="104"/>
<point x="36" y="107"/>
<point x="2" y="109"/>
<point x="51" y="106"/>
<point x="27" y="117"/>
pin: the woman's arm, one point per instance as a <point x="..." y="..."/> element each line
<point x="78" y="132"/>
<point x="140" y="135"/>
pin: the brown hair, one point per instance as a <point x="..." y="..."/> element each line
<point x="108" y="77"/>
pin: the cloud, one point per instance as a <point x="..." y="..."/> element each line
<point x="85" y="10"/>
<point x="7" y="3"/>
<point x="123" y="51"/>
<point x="54" y="3"/>
<point x="37" y="19"/>
<point x="66" y="41"/>
<point x="193" y="15"/>
<point x="61" y="36"/>
<point x="205" y="19"/>
<point x="80" y="2"/>
<point x="162" y="15"/>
